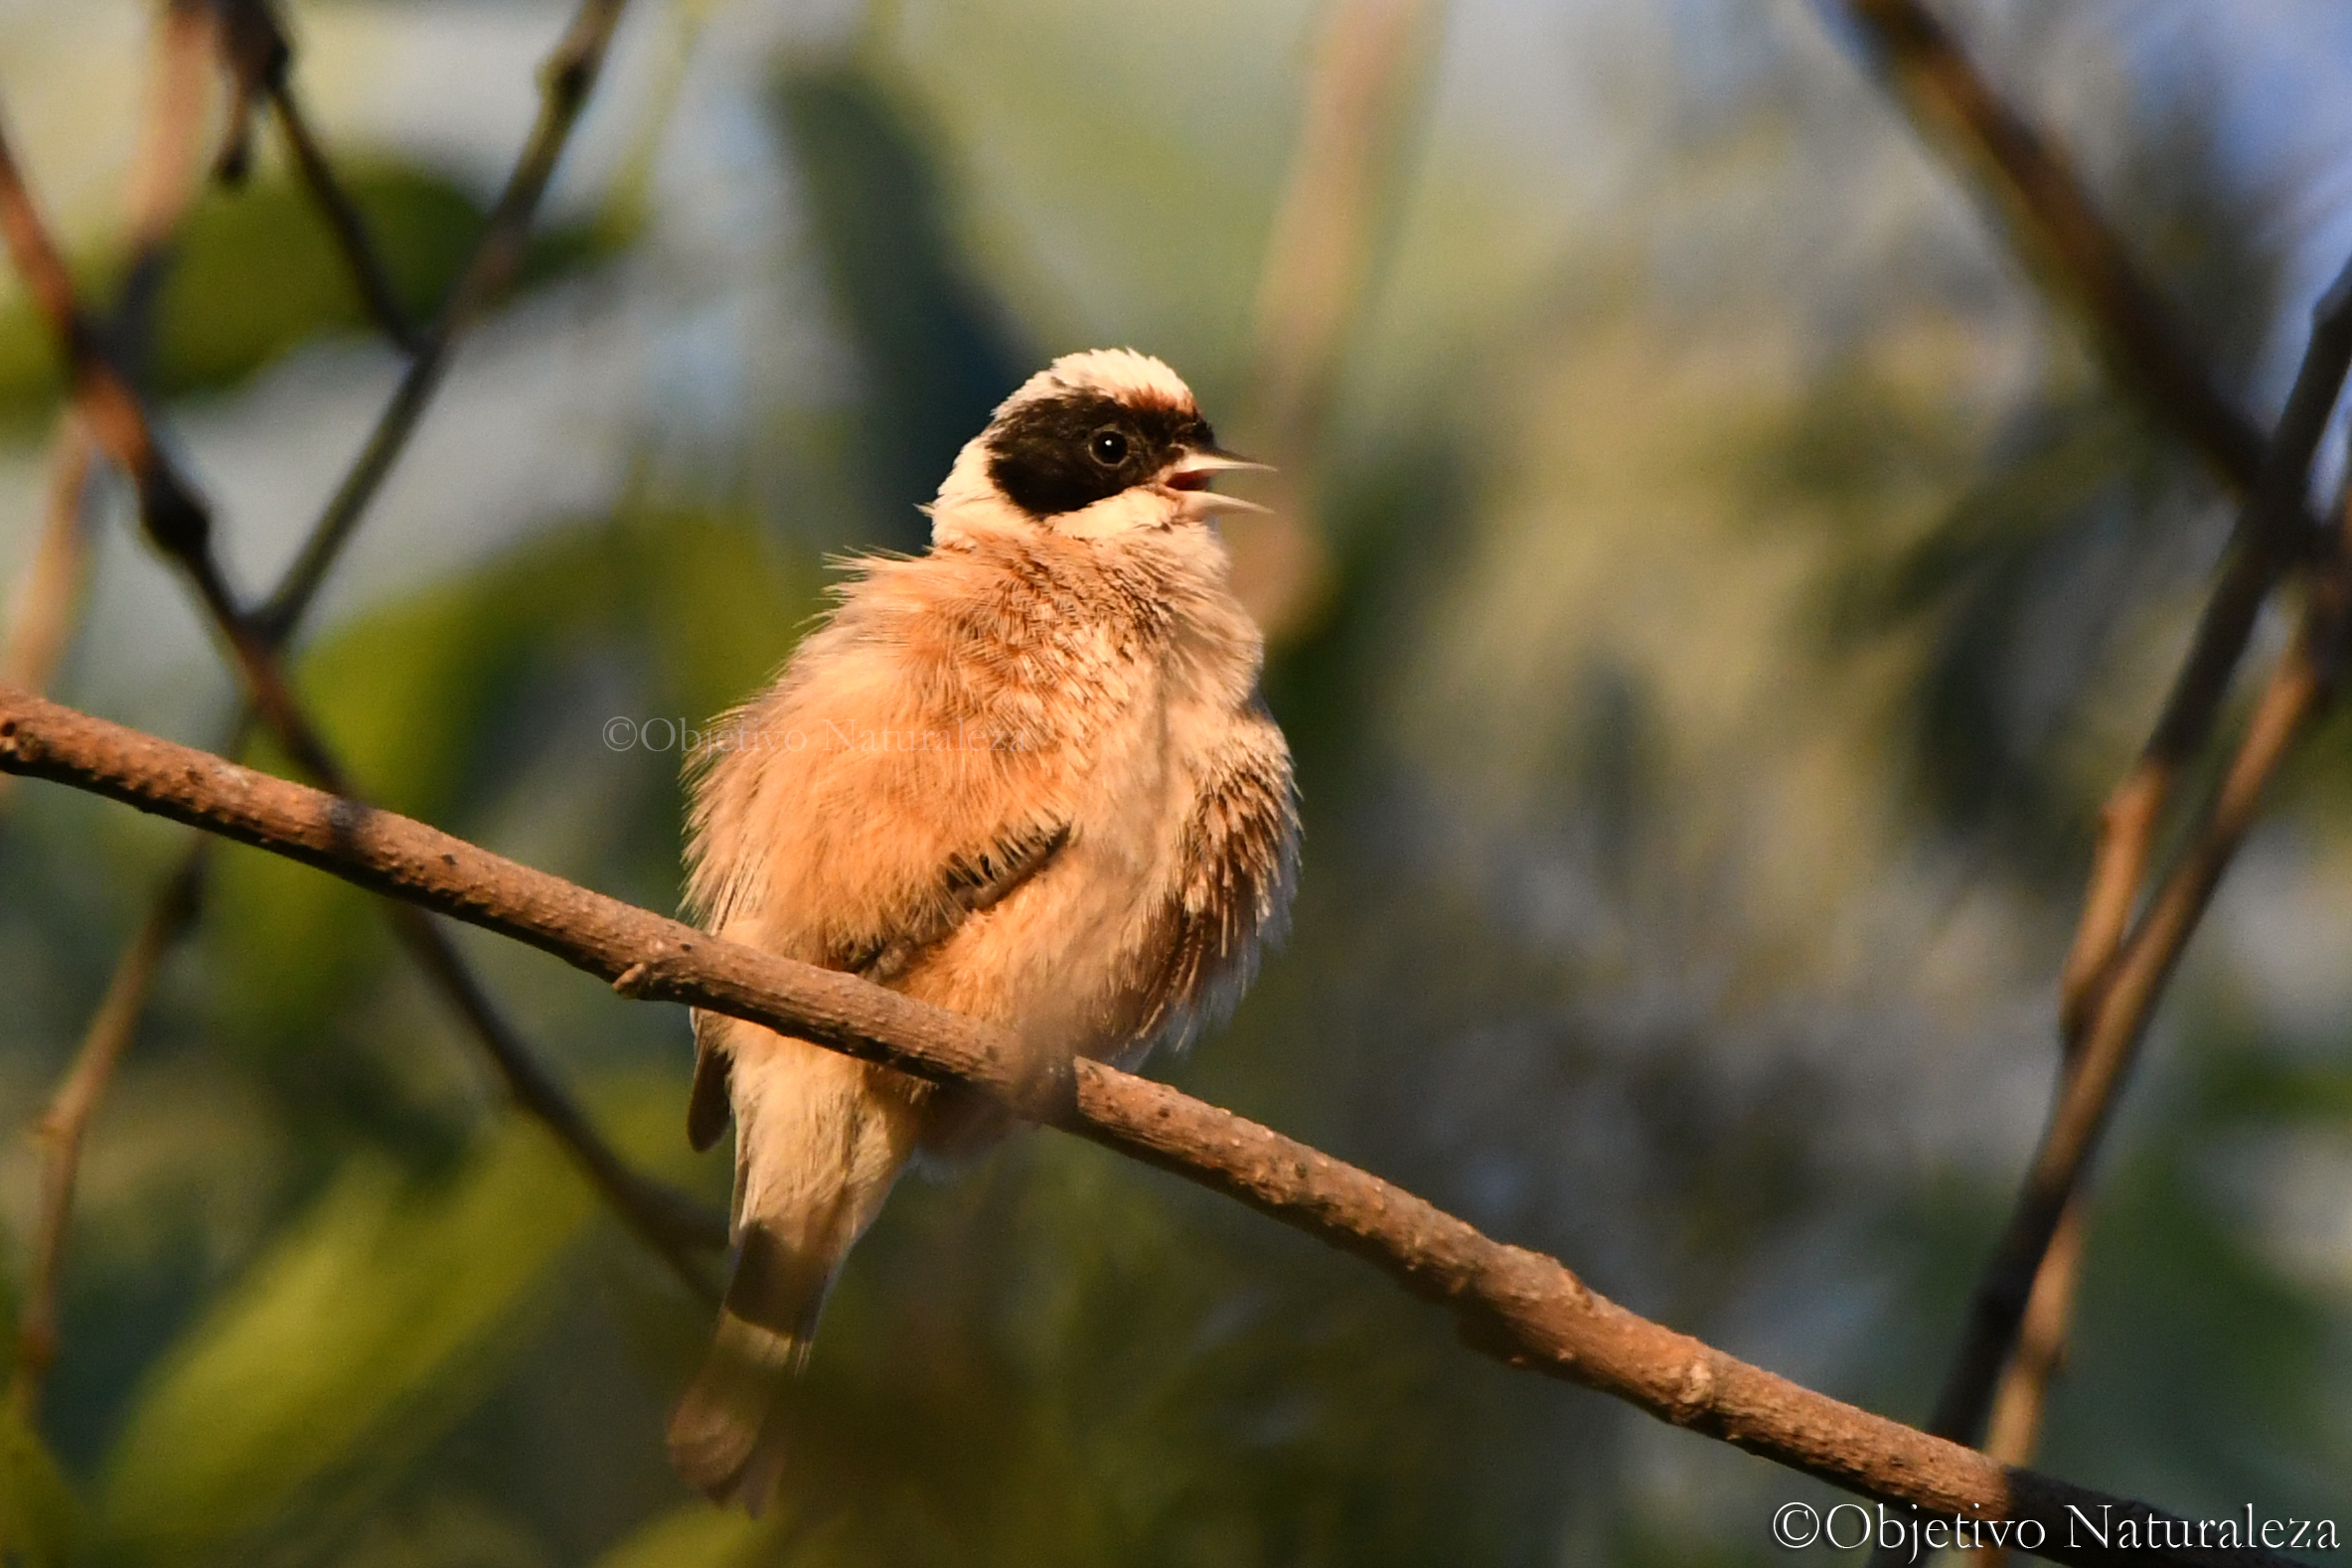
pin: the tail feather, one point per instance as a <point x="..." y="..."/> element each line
<point x="726" y="1436"/>
<point x="818" y="1144"/>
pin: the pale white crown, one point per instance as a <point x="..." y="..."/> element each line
<point x="1117" y="373"/>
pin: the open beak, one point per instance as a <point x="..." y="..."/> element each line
<point x="1191" y="473"/>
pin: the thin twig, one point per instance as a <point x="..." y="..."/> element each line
<point x="565" y="84"/>
<point x="2268" y="537"/>
<point x="2057" y="223"/>
<point x="2134" y="810"/>
<point x="343" y="216"/>
<point x="2015" y="1429"/>
<point x="2298" y="690"/>
<point x="43" y="603"/>
<point x="678" y="1228"/>
<point x="1366" y="64"/>
<point x="1518" y="1305"/>
<point x="2119" y="991"/>
<point x="163" y="182"/>
<point x="68" y="1118"/>
<point x="261" y="61"/>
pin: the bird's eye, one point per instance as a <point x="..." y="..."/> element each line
<point x="1107" y="447"/>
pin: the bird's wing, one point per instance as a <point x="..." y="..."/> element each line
<point x="846" y="823"/>
<point x="967" y="882"/>
<point x="1239" y="858"/>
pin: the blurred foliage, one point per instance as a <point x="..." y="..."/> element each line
<point x="1745" y="593"/>
<point x="38" y="1511"/>
<point x="255" y="272"/>
<point x="940" y="350"/>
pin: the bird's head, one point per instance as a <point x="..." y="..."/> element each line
<point x="1095" y="444"/>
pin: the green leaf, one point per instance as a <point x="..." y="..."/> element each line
<point x="39" y="1514"/>
<point x="256" y="273"/>
<point x="697" y="1535"/>
<point x="375" y="1320"/>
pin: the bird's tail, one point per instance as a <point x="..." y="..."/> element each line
<point x="726" y="1436"/>
<point x="820" y="1140"/>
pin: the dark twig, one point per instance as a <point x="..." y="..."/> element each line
<point x="180" y="528"/>
<point x="2109" y="1015"/>
<point x="253" y="46"/>
<point x="2130" y="820"/>
<point x="163" y="180"/>
<point x="2298" y="690"/>
<point x="2055" y="221"/>
<point x="1518" y="1305"/>
<point x="2057" y="224"/>
<point x="2015" y="1429"/>
<point x="342" y="217"/>
<point x="68" y="1118"/>
<point x="2268" y="537"/>
<point x="564" y="82"/>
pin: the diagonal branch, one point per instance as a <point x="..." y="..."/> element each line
<point x="2268" y="537"/>
<point x="163" y="181"/>
<point x="566" y="81"/>
<point x="68" y="1118"/>
<point x="2127" y="831"/>
<point x="1518" y="1305"/>
<point x="2299" y="691"/>
<point x="2053" y="219"/>
<point x="253" y="46"/>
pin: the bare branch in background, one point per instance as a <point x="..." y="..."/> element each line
<point x="65" y="1121"/>
<point x="566" y="81"/>
<point x="2057" y="224"/>
<point x="1518" y="1305"/>
<point x="678" y="1228"/>
<point x="2270" y="537"/>
<point x="253" y="46"/>
<point x="45" y="603"/>
<point x="2113" y="975"/>
<point x="1369" y="60"/>
<point x="164" y="178"/>
<point x="2015" y="1429"/>
<point x="2297" y="691"/>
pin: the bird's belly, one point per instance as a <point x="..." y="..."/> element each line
<point x="1062" y="961"/>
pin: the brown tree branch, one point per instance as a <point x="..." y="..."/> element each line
<point x="45" y="601"/>
<point x="2105" y="1020"/>
<point x="2015" y="1428"/>
<point x="2054" y="220"/>
<point x="1518" y="1305"/>
<point x="2128" y="826"/>
<point x="68" y="1119"/>
<point x="2299" y="691"/>
<point x="1369" y="60"/>
<point x="163" y="181"/>
<point x="2268" y="537"/>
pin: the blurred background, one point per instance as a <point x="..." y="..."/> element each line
<point x="1716" y="589"/>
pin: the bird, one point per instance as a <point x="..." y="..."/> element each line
<point x="1028" y="776"/>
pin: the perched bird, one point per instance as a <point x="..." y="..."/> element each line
<point x="1026" y="776"/>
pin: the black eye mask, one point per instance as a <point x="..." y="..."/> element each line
<point x="1062" y="453"/>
